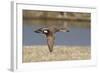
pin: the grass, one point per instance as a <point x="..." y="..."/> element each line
<point x="60" y="53"/>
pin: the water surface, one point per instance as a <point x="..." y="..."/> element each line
<point x="76" y="36"/>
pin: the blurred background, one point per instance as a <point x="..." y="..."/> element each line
<point x="50" y="17"/>
<point x="79" y="24"/>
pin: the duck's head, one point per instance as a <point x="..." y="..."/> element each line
<point x="42" y="30"/>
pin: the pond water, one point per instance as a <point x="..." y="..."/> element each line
<point x="76" y="36"/>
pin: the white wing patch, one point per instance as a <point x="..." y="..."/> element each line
<point x="45" y="31"/>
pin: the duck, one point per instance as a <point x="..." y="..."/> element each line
<point x="50" y="32"/>
<point x="50" y="35"/>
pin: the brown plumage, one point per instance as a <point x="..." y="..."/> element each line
<point x="50" y="35"/>
<point x="50" y="31"/>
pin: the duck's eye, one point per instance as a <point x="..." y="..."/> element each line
<point x="45" y="31"/>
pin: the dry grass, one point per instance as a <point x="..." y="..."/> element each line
<point x="60" y="53"/>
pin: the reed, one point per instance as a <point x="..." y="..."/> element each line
<point x="60" y="53"/>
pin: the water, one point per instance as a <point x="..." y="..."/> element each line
<point x="76" y="36"/>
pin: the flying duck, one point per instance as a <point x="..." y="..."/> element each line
<point x="49" y="32"/>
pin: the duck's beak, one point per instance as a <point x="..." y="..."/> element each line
<point x="37" y="31"/>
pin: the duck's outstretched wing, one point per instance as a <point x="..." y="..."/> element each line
<point x="64" y="27"/>
<point x="50" y="42"/>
